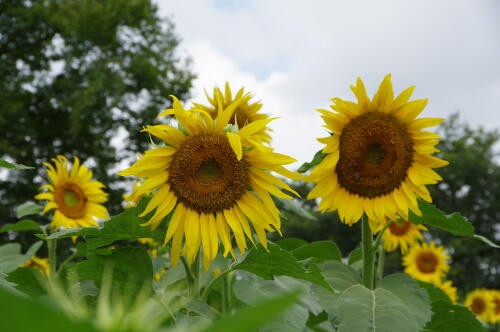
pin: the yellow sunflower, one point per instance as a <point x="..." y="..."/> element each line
<point x="40" y="264"/>
<point x="448" y="288"/>
<point x="214" y="179"/>
<point x="402" y="234"/>
<point x="378" y="158"/>
<point x="495" y="311"/>
<point x="480" y="303"/>
<point x="74" y="196"/>
<point x="426" y="262"/>
<point x="246" y="112"/>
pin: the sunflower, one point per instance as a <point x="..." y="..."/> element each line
<point x="40" y="264"/>
<point x="402" y="234"/>
<point x="448" y="288"/>
<point x="495" y="311"/>
<point x="479" y="302"/>
<point x="426" y="262"/>
<point x="246" y="112"/>
<point x="74" y="196"/>
<point x="213" y="179"/>
<point x="378" y="159"/>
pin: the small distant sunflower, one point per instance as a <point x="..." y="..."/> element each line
<point x="402" y="234"/>
<point x="213" y="179"/>
<point x="40" y="264"/>
<point x="426" y="262"/>
<point x="378" y="158"/>
<point x="448" y="288"/>
<point x="479" y="302"/>
<point x="246" y="112"/>
<point x="74" y="196"/>
<point x="495" y="312"/>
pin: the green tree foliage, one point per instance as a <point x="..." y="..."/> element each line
<point x="74" y="74"/>
<point x="471" y="186"/>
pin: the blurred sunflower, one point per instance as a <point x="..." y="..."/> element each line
<point x="378" y="158"/>
<point x="74" y="196"/>
<point x="40" y="264"/>
<point x="213" y="179"/>
<point x="495" y="312"/>
<point x="246" y="112"/>
<point x="479" y="302"/>
<point x="448" y="288"/>
<point x="402" y="234"/>
<point x="426" y="262"/>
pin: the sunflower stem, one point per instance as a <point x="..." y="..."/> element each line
<point x="226" y="293"/>
<point x="368" y="253"/>
<point x="380" y="264"/>
<point x="52" y="246"/>
<point x="194" y="287"/>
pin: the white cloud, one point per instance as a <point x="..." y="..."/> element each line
<point x="296" y="55"/>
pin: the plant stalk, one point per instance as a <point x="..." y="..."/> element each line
<point x="194" y="287"/>
<point x="52" y="246"/>
<point x="226" y="293"/>
<point x="368" y="253"/>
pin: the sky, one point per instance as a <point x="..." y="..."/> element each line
<point x="294" y="56"/>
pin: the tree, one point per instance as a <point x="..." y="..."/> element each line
<point x="75" y="74"/>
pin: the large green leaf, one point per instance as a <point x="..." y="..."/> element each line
<point x="27" y="280"/>
<point x="11" y="257"/>
<point x="279" y="262"/>
<point x="6" y="164"/>
<point x="257" y="290"/>
<point x="20" y="314"/>
<point x="397" y="305"/>
<point x="291" y="243"/>
<point x="320" y="251"/>
<point x="454" y="223"/>
<point x="339" y="275"/>
<point x="27" y="209"/>
<point x="131" y="269"/>
<point x="23" y="225"/>
<point x="447" y="316"/>
<point x="126" y="225"/>
<point x="250" y="319"/>
<point x="318" y="158"/>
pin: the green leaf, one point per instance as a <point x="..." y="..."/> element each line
<point x="27" y="209"/>
<point x="355" y="256"/>
<point x="454" y="223"/>
<point x="397" y="305"/>
<point x="279" y="262"/>
<point x="131" y="269"/>
<point x="11" y="257"/>
<point x="318" y="158"/>
<point x="6" y="164"/>
<point x="23" y="225"/>
<point x="339" y="275"/>
<point x="320" y="251"/>
<point x="27" y="281"/>
<point x="42" y="317"/>
<point x="486" y="240"/>
<point x="448" y="316"/>
<point x="126" y="225"/>
<point x="294" y="206"/>
<point x="291" y="243"/>
<point x="250" y="319"/>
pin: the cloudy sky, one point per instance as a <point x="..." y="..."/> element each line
<point x="296" y="55"/>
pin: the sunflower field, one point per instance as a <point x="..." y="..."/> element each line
<point x="198" y="238"/>
<point x="190" y="252"/>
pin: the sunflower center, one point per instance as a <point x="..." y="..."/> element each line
<point x="478" y="305"/>
<point x="71" y="200"/>
<point x="206" y="175"/>
<point x="375" y="153"/>
<point x="427" y="262"/>
<point x="399" y="229"/>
